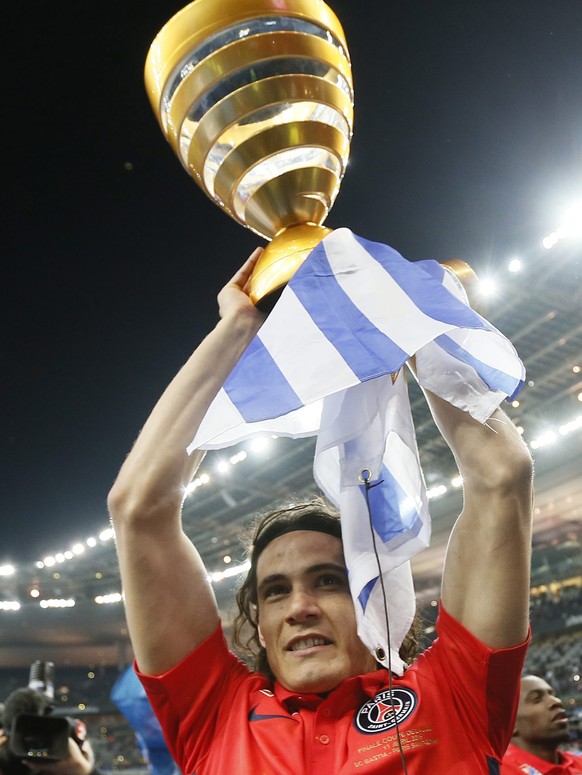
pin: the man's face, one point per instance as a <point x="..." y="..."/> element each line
<point x="541" y="719"/>
<point x="307" y="622"/>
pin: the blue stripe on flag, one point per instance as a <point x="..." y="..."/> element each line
<point x="366" y="350"/>
<point x="364" y="595"/>
<point x="393" y="511"/>
<point x="271" y="394"/>
<point x="393" y="515"/>
<point x="424" y="287"/>
<point x="433" y="268"/>
<point x="495" y="379"/>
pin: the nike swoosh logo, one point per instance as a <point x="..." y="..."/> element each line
<point x="254" y="716"/>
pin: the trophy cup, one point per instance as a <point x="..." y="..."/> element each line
<point x="256" y="99"/>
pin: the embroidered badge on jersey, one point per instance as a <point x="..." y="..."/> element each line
<point x="385" y="711"/>
<point x="529" y="770"/>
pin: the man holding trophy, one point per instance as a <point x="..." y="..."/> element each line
<point x="456" y="708"/>
<point x="255" y="97"/>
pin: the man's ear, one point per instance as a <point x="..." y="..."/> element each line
<point x="260" y="634"/>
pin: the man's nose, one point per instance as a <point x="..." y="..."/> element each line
<point x="302" y="604"/>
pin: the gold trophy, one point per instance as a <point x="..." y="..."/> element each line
<point x="256" y="99"/>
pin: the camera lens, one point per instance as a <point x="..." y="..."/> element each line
<point x="36" y="746"/>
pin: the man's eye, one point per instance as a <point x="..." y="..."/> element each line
<point x="331" y="580"/>
<point x="275" y="590"/>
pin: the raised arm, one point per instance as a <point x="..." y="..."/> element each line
<point x="170" y="606"/>
<point x="486" y="576"/>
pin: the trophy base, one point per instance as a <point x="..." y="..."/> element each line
<point x="280" y="260"/>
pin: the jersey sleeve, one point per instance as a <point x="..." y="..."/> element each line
<point x="483" y="682"/>
<point x="188" y="698"/>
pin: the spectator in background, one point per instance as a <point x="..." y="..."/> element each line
<point x="541" y="727"/>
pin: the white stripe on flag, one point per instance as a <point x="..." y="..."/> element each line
<point x="212" y="435"/>
<point x="210" y="431"/>
<point x="289" y="351"/>
<point x="368" y="286"/>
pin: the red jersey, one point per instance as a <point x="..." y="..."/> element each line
<point x="452" y="712"/>
<point x="519" y="762"/>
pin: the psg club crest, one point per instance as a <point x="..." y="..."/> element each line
<point x="385" y="711"/>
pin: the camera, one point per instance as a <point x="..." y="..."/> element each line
<point x="33" y="734"/>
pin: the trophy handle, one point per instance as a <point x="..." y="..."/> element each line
<point x="466" y="275"/>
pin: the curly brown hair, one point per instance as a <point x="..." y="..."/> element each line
<point x="314" y="514"/>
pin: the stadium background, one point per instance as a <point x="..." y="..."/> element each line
<point x="468" y="143"/>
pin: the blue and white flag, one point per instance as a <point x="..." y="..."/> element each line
<point x="328" y="361"/>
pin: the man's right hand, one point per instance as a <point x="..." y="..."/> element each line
<point x="234" y="299"/>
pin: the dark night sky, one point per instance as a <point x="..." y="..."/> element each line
<point x="468" y="142"/>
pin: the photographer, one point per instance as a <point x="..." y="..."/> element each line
<point x="31" y="740"/>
